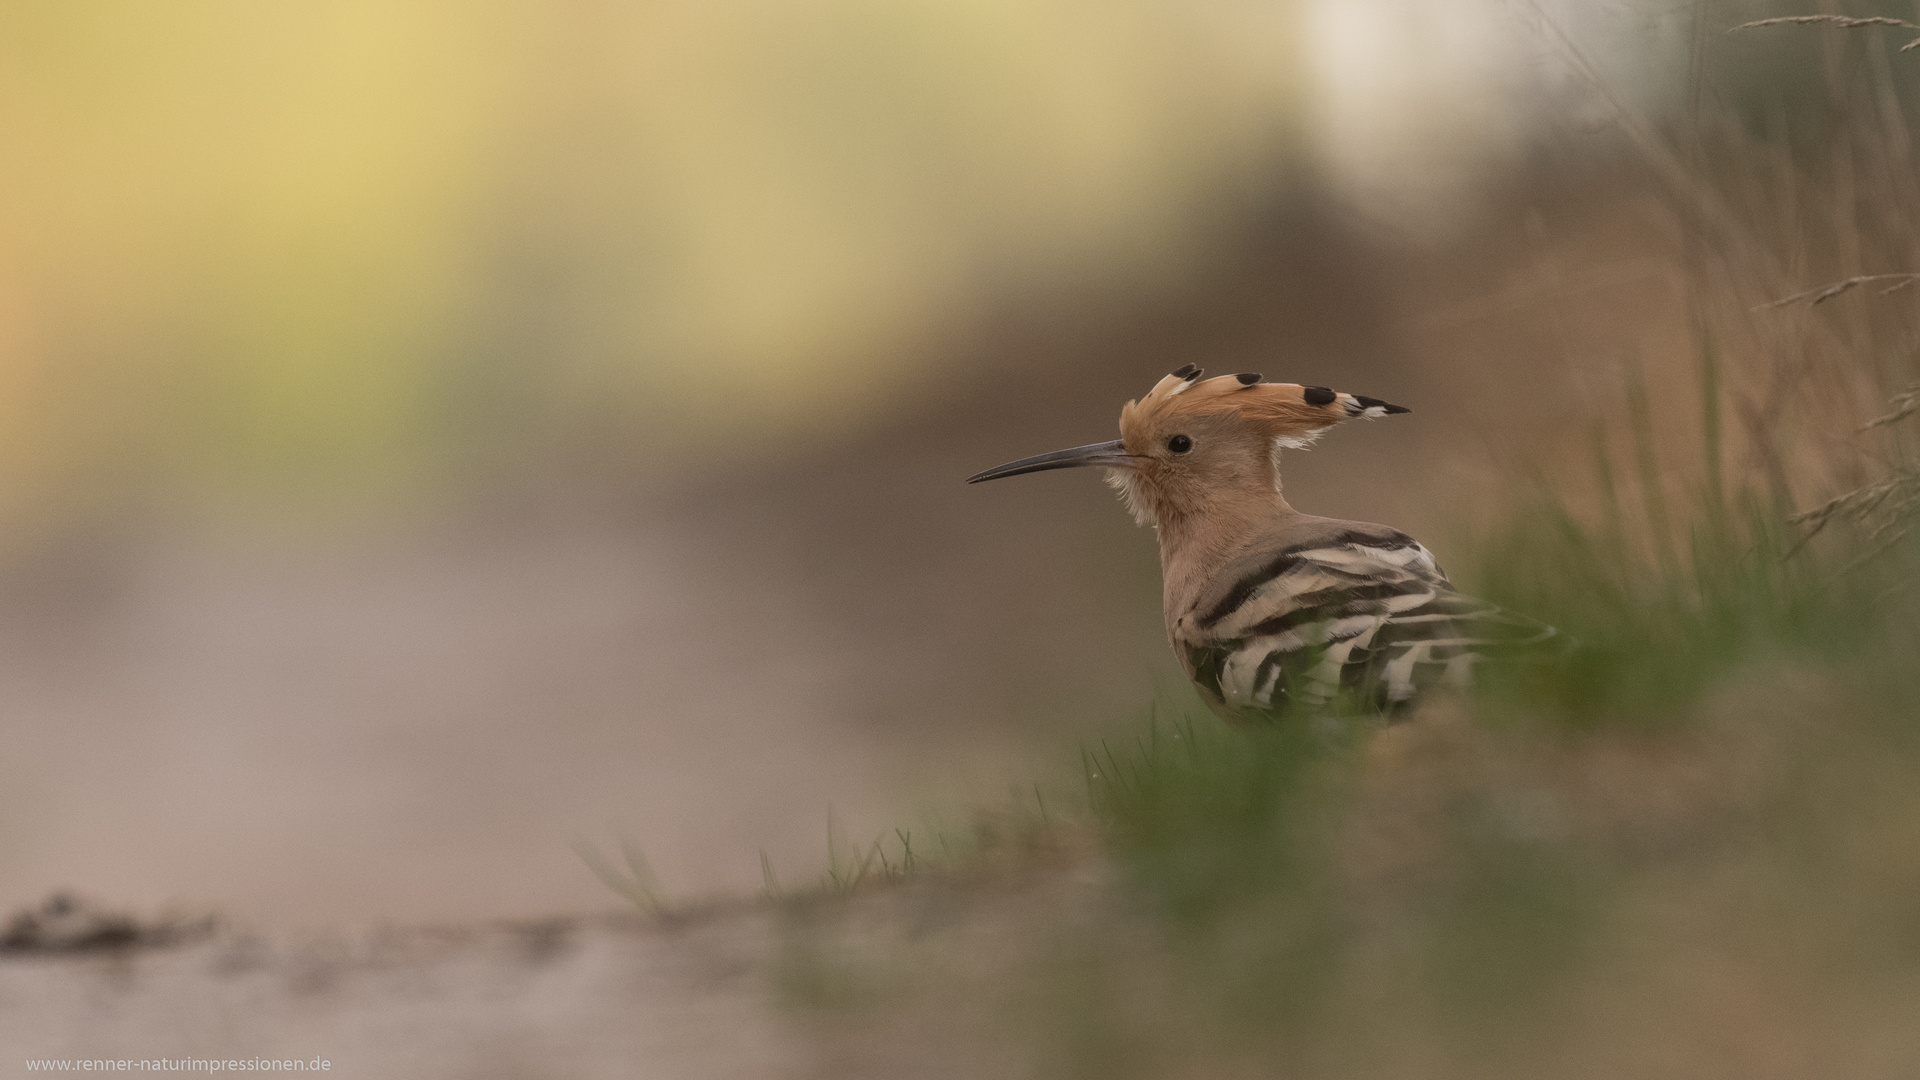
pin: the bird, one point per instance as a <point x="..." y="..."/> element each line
<point x="1269" y="609"/>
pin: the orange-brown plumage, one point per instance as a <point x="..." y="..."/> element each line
<point x="1276" y="410"/>
<point x="1237" y="425"/>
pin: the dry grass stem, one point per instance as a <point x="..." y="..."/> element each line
<point x="1828" y="292"/>
<point x="1904" y="403"/>
<point x="1880" y="506"/>
<point x="1838" y="22"/>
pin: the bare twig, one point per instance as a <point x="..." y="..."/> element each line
<point x="1828" y="292"/>
<point x="1838" y="22"/>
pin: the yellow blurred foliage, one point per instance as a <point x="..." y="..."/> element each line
<point x="268" y="247"/>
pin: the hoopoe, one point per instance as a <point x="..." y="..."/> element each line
<point x="1268" y="607"/>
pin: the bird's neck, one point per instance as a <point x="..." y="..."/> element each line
<point x="1193" y="540"/>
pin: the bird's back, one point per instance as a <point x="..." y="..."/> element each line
<point x="1317" y="607"/>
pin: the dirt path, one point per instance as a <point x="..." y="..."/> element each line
<point x="595" y="997"/>
<point x="884" y="984"/>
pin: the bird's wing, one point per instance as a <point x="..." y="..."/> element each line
<point x="1365" y="612"/>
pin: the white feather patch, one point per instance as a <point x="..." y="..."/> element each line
<point x="1399" y="670"/>
<point x="1353" y="408"/>
<point x="1367" y="559"/>
<point x="1426" y="558"/>
<point x="1132" y="494"/>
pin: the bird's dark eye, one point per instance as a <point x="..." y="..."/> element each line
<point x="1179" y="444"/>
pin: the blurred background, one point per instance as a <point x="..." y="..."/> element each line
<point x="433" y="434"/>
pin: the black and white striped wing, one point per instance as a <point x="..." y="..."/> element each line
<point x="1365" y="613"/>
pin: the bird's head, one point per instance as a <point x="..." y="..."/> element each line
<point x="1195" y="444"/>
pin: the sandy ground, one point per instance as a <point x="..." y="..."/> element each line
<point x="420" y="729"/>
<point x="611" y="996"/>
<point x="743" y="990"/>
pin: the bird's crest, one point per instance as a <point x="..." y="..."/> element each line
<point x="1289" y="413"/>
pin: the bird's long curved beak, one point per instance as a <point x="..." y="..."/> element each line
<point x="1110" y="454"/>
